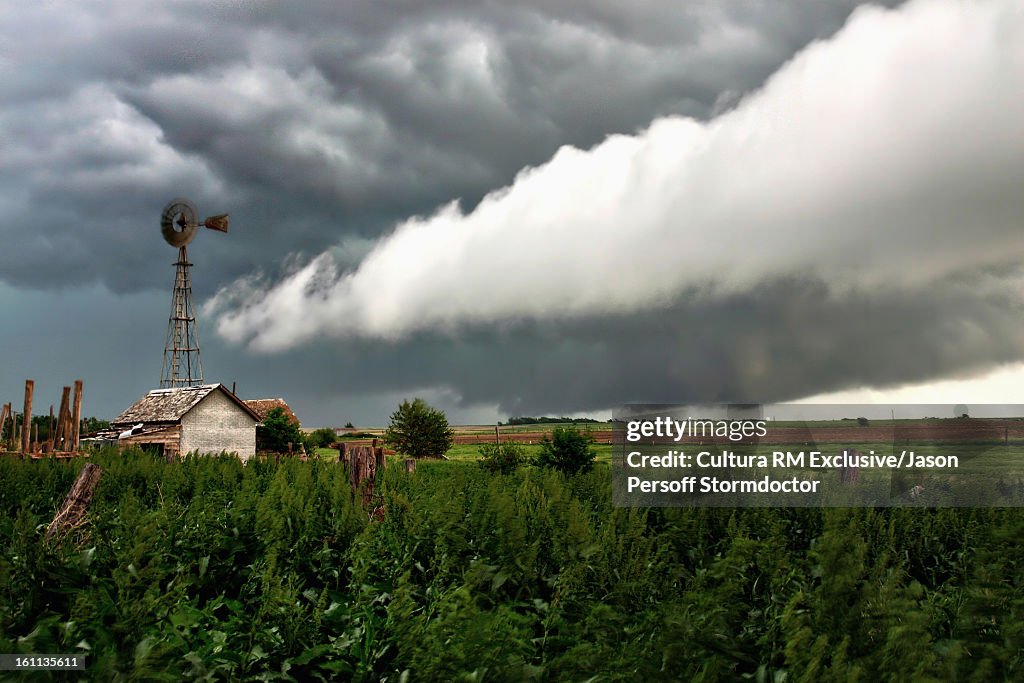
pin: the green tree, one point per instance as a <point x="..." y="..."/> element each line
<point x="419" y="430"/>
<point x="321" y="438"/>
<point x="277" y="431"/>
<point x="567" y="450"/>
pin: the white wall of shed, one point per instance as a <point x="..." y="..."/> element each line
<point x="217" y="424"/>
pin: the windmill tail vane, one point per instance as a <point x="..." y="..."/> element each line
<point x="183" y="365"/>
<point x="218" y="223"/>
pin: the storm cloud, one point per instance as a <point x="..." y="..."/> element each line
<point x="849" y="170"/>
<point x="329" y="120"/>
<point x="778" y="342"/>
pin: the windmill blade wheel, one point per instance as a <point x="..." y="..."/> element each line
<point x="178" y="223"/>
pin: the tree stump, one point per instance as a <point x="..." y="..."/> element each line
<point x="72" y="513"/>
<point x="410" y="465"/>
<point x="850" y="475"/>
<point x="362" y="464"/>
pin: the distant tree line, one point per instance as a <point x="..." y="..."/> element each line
<point x="512" y="421"/>
<point x="41" y="423"/>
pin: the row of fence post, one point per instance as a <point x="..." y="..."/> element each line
<point x="64" y="434"/>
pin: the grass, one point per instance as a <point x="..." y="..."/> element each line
<point x="470" y="452"/>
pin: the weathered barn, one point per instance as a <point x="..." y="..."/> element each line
<point x="203" y="419"/>
<point x="263" y="406"/>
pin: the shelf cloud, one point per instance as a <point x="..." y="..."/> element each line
<point x="886" y="158"/>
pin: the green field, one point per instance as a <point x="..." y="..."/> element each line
<point x="506" y="429"/>
<point x="472" y="452"/>
<point x="468" y="452"/>
<point x="208" y="569"/>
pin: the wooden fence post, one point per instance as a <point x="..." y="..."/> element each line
<point x="26" y="428"/>
<point x="363" y="470"/>
<point x="410" y="465"/>
<point x="77" y="416"/>
<point x="5" y="412"/>
<point x="60" y="437"/>
<point x="363" y="463"/>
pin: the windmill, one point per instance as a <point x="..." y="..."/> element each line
<point x="183" y="366"/>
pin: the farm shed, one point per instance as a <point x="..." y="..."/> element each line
<point x="203" y="419"/>
<point x="262" y="406"/>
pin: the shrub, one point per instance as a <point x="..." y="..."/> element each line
<point x="419" y="430"/>
<point x="567" y="450"/>
<point x="321" y="438"/>
<point x="504" y="458"/>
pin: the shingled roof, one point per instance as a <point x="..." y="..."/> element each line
<point x="262" y="406"/>
<point x="170" y="405"/>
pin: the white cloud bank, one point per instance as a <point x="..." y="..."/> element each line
<point x="891" y="154"/>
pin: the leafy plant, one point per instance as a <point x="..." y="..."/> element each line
<point x="567" y="450"/>
<point x="504" y="457"/>
<point x="208" y="569"/>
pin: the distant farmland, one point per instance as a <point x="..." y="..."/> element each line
<point x="829" y="431"/>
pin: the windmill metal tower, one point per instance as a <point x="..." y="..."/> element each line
<point x="183" y="366"/>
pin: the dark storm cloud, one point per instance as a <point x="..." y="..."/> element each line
<point x="849" y="164"/>
<point x="850" y="161"/>
<point x="327" y="120"/>
<point x="788" y="339"/>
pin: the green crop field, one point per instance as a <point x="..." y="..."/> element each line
<point x="470" y="452"/>
<point x="208" y="569"/>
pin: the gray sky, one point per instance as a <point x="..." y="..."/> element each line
<point x="513" y="208"/>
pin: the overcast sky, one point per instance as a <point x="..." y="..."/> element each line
<point x="518" y="208"/>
